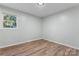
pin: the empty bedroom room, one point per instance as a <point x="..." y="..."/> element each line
<point x="39" y="29"/>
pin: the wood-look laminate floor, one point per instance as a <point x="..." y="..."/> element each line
<point x="39" y="48"/>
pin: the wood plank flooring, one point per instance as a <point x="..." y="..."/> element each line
<point x="39" y="48"/>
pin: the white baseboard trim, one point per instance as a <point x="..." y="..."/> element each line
<point x="39" y="39"/>
<point x="17" y="43"/>
<point x="64" y="44"/>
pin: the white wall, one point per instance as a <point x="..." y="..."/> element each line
<point x="28" y="28"/>
<point x="63" y="27"/>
